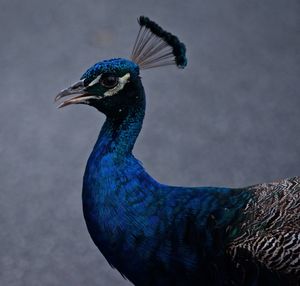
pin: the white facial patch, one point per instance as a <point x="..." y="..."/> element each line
<point x="96" y="80"/>
<point x="121" y="83"/>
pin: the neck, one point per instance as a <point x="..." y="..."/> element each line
<point x="118" y="134"/>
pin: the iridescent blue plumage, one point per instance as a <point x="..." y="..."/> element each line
<point x="147" y="230"/>
<point x="156" y="234"/>
<point x="117" y="65"/>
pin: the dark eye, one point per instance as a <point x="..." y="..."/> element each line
<point x="108" y="80"/>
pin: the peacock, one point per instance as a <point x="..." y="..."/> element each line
<point x="156" y="234"/>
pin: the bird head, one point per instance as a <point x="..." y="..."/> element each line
<point x="109" y="86"/>
<point x="112" y="86"/>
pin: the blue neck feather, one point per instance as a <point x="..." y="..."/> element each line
<point x="118" y="136"/>
<point x="129" y="214"/>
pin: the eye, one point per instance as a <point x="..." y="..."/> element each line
<point x="109" y="80"/>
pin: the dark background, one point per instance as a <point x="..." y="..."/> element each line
<point x="230" y="119"/>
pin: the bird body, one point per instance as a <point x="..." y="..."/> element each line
<point x="156" y="234"/>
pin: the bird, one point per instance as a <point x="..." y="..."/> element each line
<point x="156" y="234"/>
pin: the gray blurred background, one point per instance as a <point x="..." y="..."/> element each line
<point x="230" y="119"/>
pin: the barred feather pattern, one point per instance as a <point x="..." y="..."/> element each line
<point x="271" y="231"/>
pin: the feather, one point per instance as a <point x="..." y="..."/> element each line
<point x="155" y="47"/>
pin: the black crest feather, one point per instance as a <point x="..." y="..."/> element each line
<point x="155" y="47"/>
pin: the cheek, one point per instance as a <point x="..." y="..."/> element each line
<point x="117" y="104"/>
<point x="111" y="103"/>
<point x="96" y="90"/>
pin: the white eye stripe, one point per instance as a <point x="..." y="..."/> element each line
<point x="121" y="83"/>
<point x="95" y="81"/>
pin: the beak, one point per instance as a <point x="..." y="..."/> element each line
<point x="76" y="88"/>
